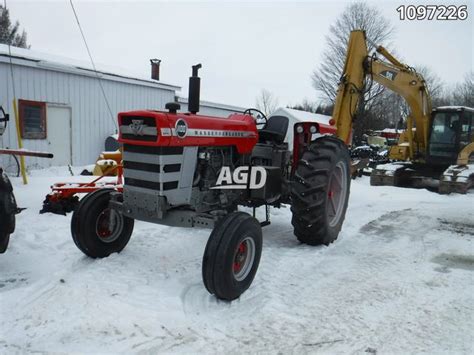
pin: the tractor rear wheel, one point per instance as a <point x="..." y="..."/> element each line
<point x="320" y="191"/>
<point x="98" y="230"/>
<point x="232" y="256"/>
<point x="8" y="220"/>
<point x="8" y="210"/>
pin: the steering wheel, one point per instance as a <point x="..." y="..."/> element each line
<point x="260" y="119"/>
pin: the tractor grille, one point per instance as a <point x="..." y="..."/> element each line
<point x="153" y="168"/>
<point x="139" y="128"/>
<point x="153" y="175"/>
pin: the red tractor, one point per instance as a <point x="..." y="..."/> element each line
<point x="188" y="170"/>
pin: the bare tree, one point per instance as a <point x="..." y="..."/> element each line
<point x="357" y="16"/>
<point x="305" y="105"/>
<point x="463" y="93"/>
<point x="10" y="34"/>
<point x="435" y="85"/>
<point x="266" y="102"/>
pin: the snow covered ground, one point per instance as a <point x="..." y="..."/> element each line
<point x="400" y="279"/>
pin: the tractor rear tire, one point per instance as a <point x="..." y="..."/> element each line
<point x="8" y="210"/>
<point x="5" y="230"/>
<point x="232" y="256"/>
<point x="97" y="230"/>
<point x="320" y="191"/>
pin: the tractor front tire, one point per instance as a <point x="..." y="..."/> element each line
<point x="232" y="256"/>
<point x="98" y="230"/>
<point x="320" y="191"/>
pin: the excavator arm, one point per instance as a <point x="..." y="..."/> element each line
<point x="393" y="75"/>
<point x="351" y="85"/>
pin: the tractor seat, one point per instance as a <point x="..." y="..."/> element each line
<point x="274" y="130"/>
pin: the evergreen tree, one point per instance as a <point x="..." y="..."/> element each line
<point x="10" y="33"/>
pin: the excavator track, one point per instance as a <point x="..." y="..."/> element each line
<point x="455" y="179"/>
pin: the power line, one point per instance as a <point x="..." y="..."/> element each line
<point x="11" y="70"/>
<point x="10" y="58"/>
<point x="93" y="65"/>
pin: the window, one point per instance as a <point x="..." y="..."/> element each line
<point x="466" y="129"/>
<point x="445" y="127"/>
<point x="32" y="119"/>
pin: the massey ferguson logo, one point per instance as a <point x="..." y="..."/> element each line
<point x="181" y="128"/>
<point x="243" y="177"/>
<point x="137" y="127"/>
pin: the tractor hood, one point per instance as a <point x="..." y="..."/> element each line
<point x="157" y="128"/>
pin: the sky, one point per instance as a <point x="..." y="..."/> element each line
<point x="244" y="46"/>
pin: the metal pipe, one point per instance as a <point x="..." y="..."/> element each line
<point x="26" y="153"/>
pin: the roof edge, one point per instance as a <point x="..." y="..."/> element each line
<point x="58" y="66"/>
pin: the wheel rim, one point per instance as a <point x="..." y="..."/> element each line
<point x="244" y="257"/>
<point x="109" y="225"/>
<point x="337" y="191"/>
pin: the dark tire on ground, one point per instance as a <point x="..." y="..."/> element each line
<point x="8" y="211"/>
<point x="97" y="230"/>
<point x="232" y="256"/>
<point x="320" y="191"/>
<point x="7" y="221"/>
<point x="5" y="230"/>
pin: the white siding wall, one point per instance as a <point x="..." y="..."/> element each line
<point x="91" y="120"/>
<point x="211" y="111"/>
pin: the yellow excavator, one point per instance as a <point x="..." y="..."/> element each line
<point x="436" y="150"/>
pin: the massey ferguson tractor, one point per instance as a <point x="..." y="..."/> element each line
<point x="189" y="170"/>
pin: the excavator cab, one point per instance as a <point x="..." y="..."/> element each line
<point x="450" y="132"/>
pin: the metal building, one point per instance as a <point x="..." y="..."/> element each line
<point x="211" y="108"/>
<point x="62" y="109"/>
<point x="61" y="106"/>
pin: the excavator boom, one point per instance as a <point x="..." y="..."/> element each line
<point x="351" y="85"/>
<point x="393" y="75"/>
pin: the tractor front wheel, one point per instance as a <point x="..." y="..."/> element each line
<point x="98" y="230"/>
<point x="232" y="256"/>
<point x="320" y="191"/>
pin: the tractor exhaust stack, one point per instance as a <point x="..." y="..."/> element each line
<point x="155" y="69"/>
<point x="194" y="90"/>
